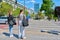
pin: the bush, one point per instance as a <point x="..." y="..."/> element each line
<point x="1" y="14"/>
<point x="32" y="15"/>
<point x="16" y="12"/>
<point x="41" y="15"/>
<point x="50" y="16"/>
<point x="55" y="17"/>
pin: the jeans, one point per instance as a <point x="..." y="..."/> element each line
<point x="21" y="31"/>
<point x="11" y="29"/>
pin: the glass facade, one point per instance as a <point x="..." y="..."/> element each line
<point x="36" y="7"/>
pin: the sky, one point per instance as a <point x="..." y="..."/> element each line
<point x="30" y="3"/>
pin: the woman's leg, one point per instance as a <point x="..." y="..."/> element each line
<point x="20" y="33"/>
<point x="23" y="32"/>
<point x="20" y="29"/>
<point x="11" y="30"/>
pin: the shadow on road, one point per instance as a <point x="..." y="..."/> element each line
<point x="15" y="35"/>
<point x="51" y="32"/>
<point x="6" y="34"/>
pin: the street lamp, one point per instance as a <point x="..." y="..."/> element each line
<point x="15" y="4"/>
<point x="24" y="6"/>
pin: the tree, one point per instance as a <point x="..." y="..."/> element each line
<point x="47" y="6"/>
<point x="32" y="15"/>
<point x="16" y="12"/>
<point x="4" y="8"/>
<point x="41" y="15"/>
<point x="26" y="12"/>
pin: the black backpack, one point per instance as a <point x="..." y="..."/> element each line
<point x="25" y="22"/>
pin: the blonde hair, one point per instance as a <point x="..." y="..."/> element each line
<point x="9" y="12"/>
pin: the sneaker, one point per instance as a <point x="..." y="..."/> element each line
<point x="24" y="37"/>
<point x="11" y="36"/>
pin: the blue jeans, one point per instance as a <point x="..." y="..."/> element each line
<point x="21" y="31"/>
<point x="11" y="29"/>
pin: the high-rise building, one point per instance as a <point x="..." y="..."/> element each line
<point x="36" y="7"/>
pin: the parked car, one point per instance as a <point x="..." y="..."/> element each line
<point x="3" y="20"/>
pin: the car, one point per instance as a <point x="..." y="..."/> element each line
<point x="3" y="20"/>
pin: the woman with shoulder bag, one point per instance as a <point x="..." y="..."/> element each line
<point x="10" y="22"/>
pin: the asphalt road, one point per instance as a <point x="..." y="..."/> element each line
<point x="33" y="31"/>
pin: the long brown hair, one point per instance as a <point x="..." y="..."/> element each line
<point x="20" y="11"/>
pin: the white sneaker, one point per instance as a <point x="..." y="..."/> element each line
<point x="24" y="37"/>
<point x="11" y="36"/>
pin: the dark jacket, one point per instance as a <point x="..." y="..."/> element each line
<point x="10" y="18"/>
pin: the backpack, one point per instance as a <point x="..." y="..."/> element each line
<point x="25" y="22"/>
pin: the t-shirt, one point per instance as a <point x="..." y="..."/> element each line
<point x="21" y="17"/>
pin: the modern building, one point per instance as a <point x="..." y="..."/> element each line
<point x="36" y="7"/>
<point x="13" y="3"/>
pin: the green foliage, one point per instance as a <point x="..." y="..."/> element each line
<point x="41" y="15"/>
<point x="26" y="12"/>
<point x="16" y="12"/>
<point x="47" y="6"/>
<point x="55" y="17"/>
<point x="32" y="15"/>
<point x="51" y="16"/>
<point x="4" y="8"/>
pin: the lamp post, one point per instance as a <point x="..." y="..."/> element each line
<point x="15" y="4"/>
<point x="24" y="6"/>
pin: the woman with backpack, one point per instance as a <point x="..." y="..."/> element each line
<point x="21" y="27"/>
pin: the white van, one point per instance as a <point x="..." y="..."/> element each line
<point x="3" y="20"/>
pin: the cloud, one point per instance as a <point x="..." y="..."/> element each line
<point x="29" y="1"/>
<point x="32" y="8"/>
<point x="32" y="1"/>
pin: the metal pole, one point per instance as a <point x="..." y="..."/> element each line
<point x="15" y="4"/>
<point x="24" y="6"/>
